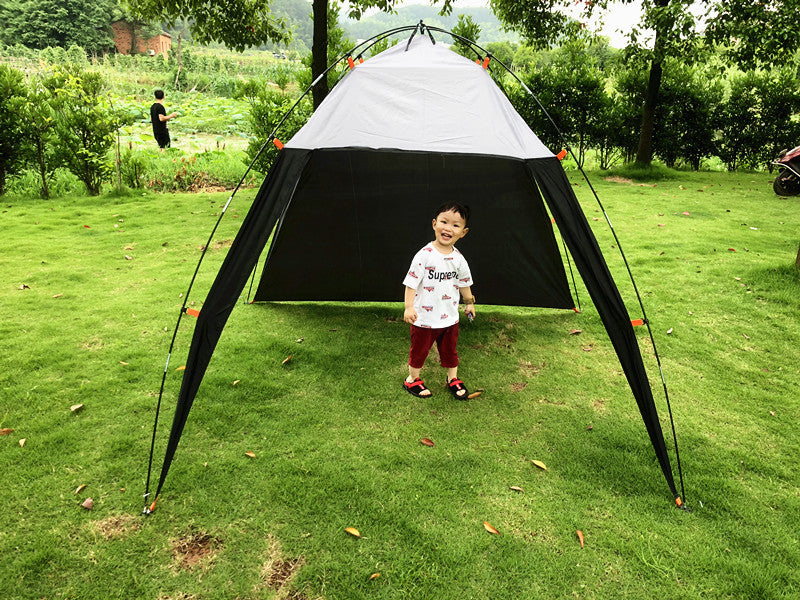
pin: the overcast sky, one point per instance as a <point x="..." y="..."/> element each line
<point x="619" y="18"/>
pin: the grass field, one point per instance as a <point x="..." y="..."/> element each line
<point x="91" y="290"/>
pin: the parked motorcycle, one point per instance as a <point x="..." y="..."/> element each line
<point x="787" y="183"/>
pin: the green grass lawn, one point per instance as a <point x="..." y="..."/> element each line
<point x="91" y="289"/>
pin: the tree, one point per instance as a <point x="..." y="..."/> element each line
<point x="467" y="29"/>
<point x="12" y="96"/>
<point x="43" y="23"/>
<point x="38" y="131"/>
<point x="747" y="27"/>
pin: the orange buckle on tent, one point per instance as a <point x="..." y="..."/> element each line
<point x="477" y="61"/>
<point x="485" y="62"/>
<point x="637" y="322"/>
<point x="350" y="62"/>
<point x="562" y="154"/>
<point x="678" y="502"/>
<point x="575" y="308"/>
<point x="552" y="220"/>
<point x="360" y="59"/>
<point x="192" y="312"/>
<point x="278" y="144"/>
<point x="153" y="505"/>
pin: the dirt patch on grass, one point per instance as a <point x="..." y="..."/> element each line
<point x="529" y="369"/>
<point x="118" y="526"/>
<point x="194" y="550"/>
<point x="93" y="344"/>
<point x="218" y="245"/>
<point x="617" y="179"/>
<point x="518" y="387"/>
<point x="278" y="571"/>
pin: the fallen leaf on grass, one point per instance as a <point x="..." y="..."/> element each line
<point x="6" y="431"/>
<point x="540" y="464"/>
<point x="79" y="489"/>
<point x="237" y="381"/>
<point x="181" y="368"/>
<point x="22" y="442"/>
<point x="490" y="528"/>
<point x="576" y="332"/>
<point x="123" y="363"/>
<point x="731" y="249"/>
<point x="250" y="454"/>
<point x="353" y="531"/>
<point x="747" y="337"/>
<point x="58" y="295"/>
<point x="427" y="442"/>
<point x="669" y="330"/>
<point x="287" y="359"/>
<point x="300" y="341"/>
<point x="474" y="394"/>
<point x="580" y="536"/>
<point x="24" y="286"/>
<point x="88" y="504"/>
<point x="772" y="413"/>
<point x="374" y="576"/>
<point x="75" y="407"/>
<point x="128" y="257"/>
<point x="686" y="214"/>
<point x="516" y="488"/>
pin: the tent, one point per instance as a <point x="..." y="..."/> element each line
<point x="399" y="134"/>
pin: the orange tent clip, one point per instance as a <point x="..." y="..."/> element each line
<point x="486" y="62"/>
<point x="192" y="312"/>
<point x="278" y="144"/>
<point x="562" y="154"/>
<point x="360" y="59"/>
<point x="350" y="62"/>
<point x="678" y="502"/>
<point x="637" y="322"/>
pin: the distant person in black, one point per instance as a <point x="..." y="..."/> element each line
<point x="159" y="118"/>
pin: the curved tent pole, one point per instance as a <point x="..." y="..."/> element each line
<point x="645" y="320"/>
<point x="184" y="309"/>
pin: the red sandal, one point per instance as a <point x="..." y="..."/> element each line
<point x="416" y="387"/>
<point x="455" y="386"/>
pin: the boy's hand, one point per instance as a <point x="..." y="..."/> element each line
<point x="410" y="316"/>
<point x="469" y="310"/>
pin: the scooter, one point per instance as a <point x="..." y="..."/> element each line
<point x="787" y="183"/>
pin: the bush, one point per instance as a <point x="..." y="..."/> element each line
<point x="12" y="97"/>
<point x="267" y="108"/>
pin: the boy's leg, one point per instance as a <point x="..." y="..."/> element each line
<point x="447" y="344"/>
<point x="421" y="341"/>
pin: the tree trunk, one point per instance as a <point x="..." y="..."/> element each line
<point x="319" y="51"/>
<point x="644" y="154"/>
<point x="797" y="260"/>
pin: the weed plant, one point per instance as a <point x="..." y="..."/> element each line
<point x="91" y="292"/>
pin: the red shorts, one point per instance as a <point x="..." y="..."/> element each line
<point x="422" y="338"/>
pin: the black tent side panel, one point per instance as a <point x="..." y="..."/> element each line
<point x="359" y="215"/>
<point x="580" y="240"/>
<point x="271" y="201"/>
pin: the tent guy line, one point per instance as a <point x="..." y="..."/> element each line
<point x="431" y="124"/>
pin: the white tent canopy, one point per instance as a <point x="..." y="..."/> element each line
<point x="426" y="98"/>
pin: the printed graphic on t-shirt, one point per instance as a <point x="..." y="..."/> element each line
<point x="437" y="279"/>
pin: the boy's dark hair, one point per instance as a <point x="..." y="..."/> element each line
<point x="159" y="94"/>
<point x="456" y="207"/>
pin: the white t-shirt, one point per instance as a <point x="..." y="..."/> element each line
<point x="437" y="278"/>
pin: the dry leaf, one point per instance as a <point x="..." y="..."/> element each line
<point x="374" y="576"/>
<point x="540" y="464"/>
<point x="123" y="363"/>
<point x="88" y="504"/>
<point x="287" y="359"/>
<point x="580" y="536"/>
<point x="669" y="330"/>
<point x="490" y="528"/>
<point x="250" y="454"/>
<point x="747" y="337"/>
<point x="76" y="407"/>
<point x="686" y="214"/>
<point x="474" y="395"/>
<point x="590" y="427"/>
<point x="300" y="341"/>
<point x="772" y="413"/>
<point x="79" y="489"/>
<point x="427" y="442"/>
<point x="352" y="531"/>
<point x="128" y="257"/>
<point x="516" y="488"/>
<point x="58" y="295"/>
<point x="24" y="286"/>
<point x="181" y="368"/>
<point x="22" y="442"/>
<point x="237" y="381"/>
<point x="6" y="431"/>
<point x="575" y="332"/>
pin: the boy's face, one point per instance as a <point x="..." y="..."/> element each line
<point x="448" y="227"/>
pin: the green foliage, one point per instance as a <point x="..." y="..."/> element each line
<point x="242" y="24"/>
<point x="267" y="108"/>
<point x="757" y="117"/>
<point x="63" y="23"/>
<point x="468" y="31"/>
<point x="85" y="124"/>
<point x="12" y="96"/>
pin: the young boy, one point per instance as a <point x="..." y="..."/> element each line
<point x="438" y="275"/>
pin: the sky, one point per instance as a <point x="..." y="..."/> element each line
<point x="619" y="18"/>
